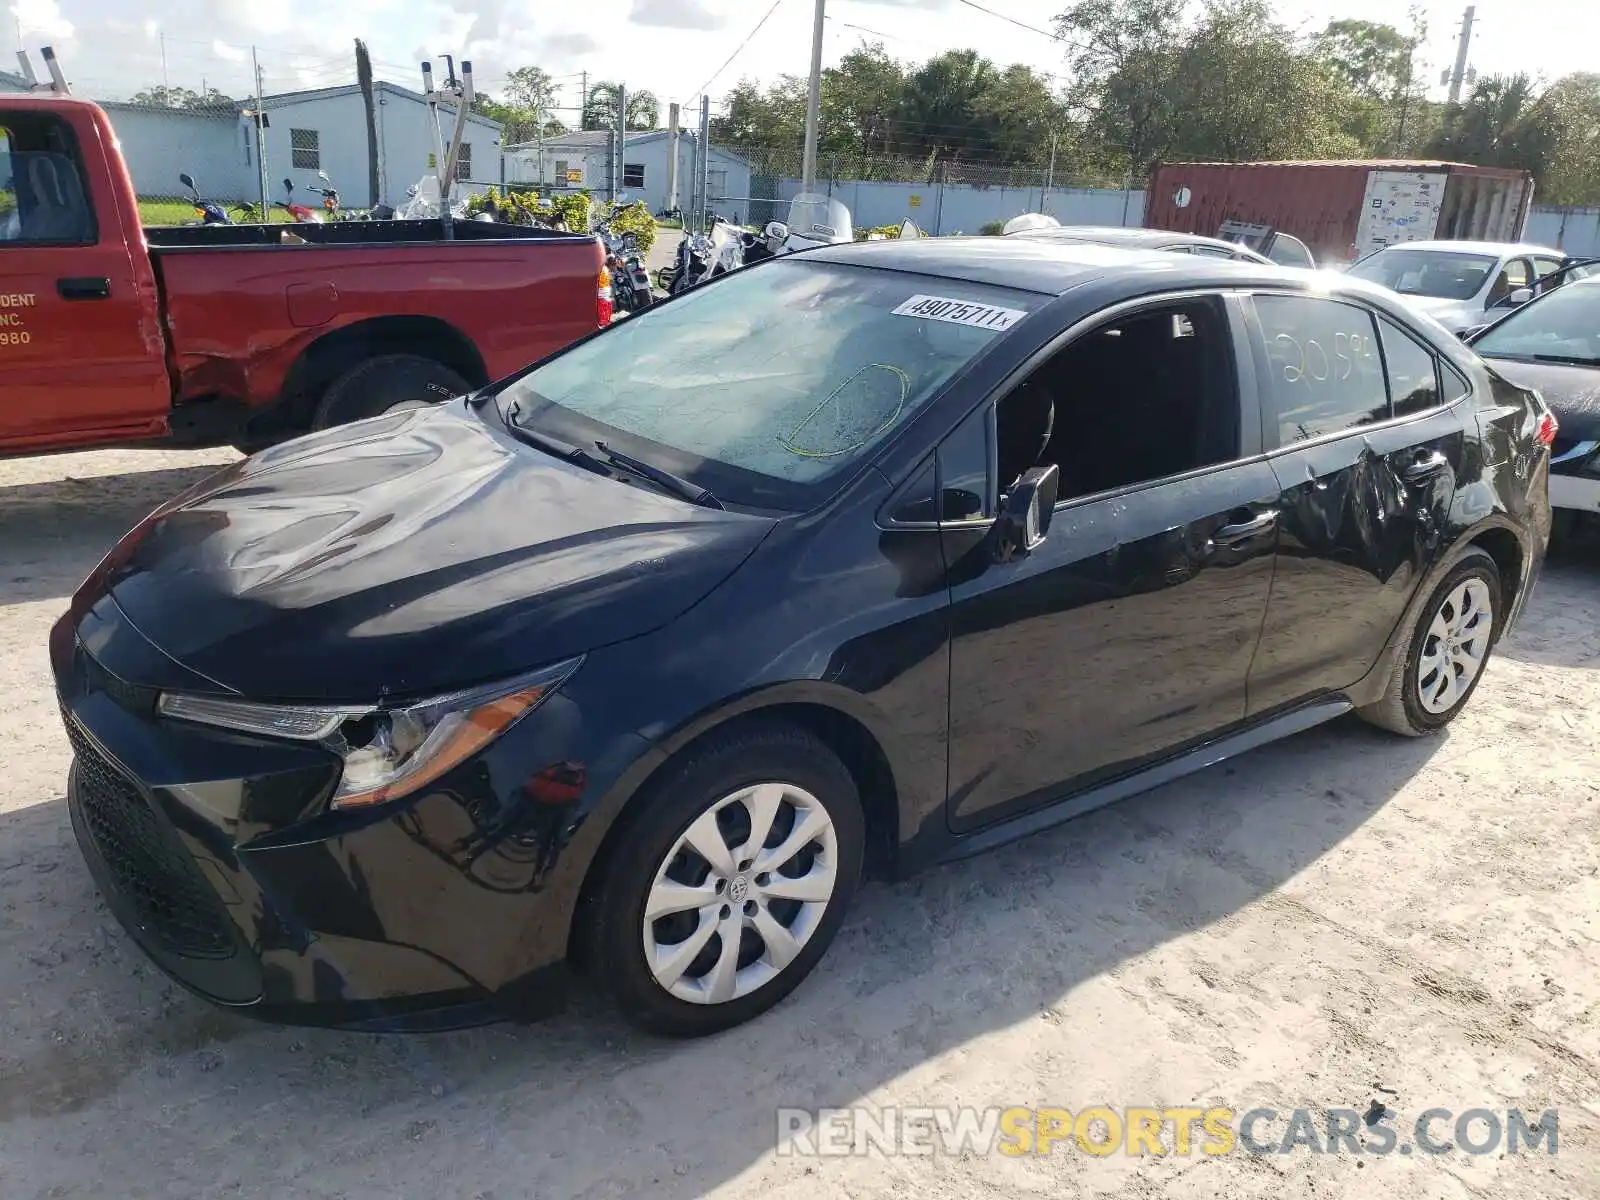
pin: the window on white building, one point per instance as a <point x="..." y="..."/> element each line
<point x="305" y="149"/>
<point x="633" y="175"/>
<point x="464" y="162"/>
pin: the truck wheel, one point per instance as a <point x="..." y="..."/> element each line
<point x="387" y="382"/>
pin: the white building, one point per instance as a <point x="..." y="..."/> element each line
<point x="584" y="159"/>
<point x="324" y="130"/>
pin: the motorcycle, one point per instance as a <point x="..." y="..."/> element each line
<point x="703" y="256"/>
<point x="814" y="220"/>
<point x="209" y="211"/>
<point x="301" y="214"/>
<point x="330" y="201"/>
<point x="630" y="282"/>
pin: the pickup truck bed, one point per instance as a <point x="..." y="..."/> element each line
<point x="111" y="334"/>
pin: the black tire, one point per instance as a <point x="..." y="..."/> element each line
<point x="388" y="381"/>
<point x="1401" y="710"/>
<point x="612" y="947"/>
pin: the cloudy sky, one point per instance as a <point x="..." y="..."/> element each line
<point x="112" y="48"/>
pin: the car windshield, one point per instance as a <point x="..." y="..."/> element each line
<point x="1562" y="326"/>
<point x="769" y="384"/>
<point x="1445" y="274"/>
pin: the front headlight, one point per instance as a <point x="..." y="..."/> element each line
<point x="387" y="752"/>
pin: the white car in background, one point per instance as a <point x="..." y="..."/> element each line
<point x="1462" y="285"/>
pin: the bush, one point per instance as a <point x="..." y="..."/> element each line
<point x="636" y="219"/>
<point x="573" y="207"/>
<point x="888" y="231"/>
<point x="992" y="228"/>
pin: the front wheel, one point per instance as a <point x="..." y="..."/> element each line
<point x="729" y="885"/>
<point x="1450" y="645"/>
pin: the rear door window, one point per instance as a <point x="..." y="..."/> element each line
<point x="1324" y="370"/>
<point x="1413" y="383"/>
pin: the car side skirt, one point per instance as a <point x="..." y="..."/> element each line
<point x="1209" y="754"/>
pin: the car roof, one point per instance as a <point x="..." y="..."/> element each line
<point x="1129" y="235"/>
<point x="1054" y="266"/>
<point x="1502" y="249"/>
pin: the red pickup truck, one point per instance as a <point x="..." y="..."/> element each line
<point x="112" y="334"/>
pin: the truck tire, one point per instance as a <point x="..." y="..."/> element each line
<point x="387" y="382"/>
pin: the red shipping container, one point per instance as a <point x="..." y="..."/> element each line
<point x="1343" y="210"/>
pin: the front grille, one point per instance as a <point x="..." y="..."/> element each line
<point x="170" y="898"/>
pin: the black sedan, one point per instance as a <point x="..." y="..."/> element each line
<point x="860" y="560"/>
<point x="1553" y="345"/>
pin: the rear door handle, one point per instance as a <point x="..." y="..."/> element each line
<point x="1260" y="523"/>
<point x="1424" y="467"/>
<point x="84" y="287"/>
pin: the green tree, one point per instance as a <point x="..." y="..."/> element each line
<point x="1573" y="173"/>
<point x="600" y="110"/>
<point x="1122" y="56"/>
<point x="1503" y="123"/>
<point x="529" y="96"/>
<point x="182" y="97"/>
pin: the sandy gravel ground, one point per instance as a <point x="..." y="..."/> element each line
<point x="1340" y="919"/>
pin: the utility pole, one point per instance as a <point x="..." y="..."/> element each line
<point x="165" y="82"/>
<point x="1460" y="69"/>
<point x="583" y="99"/>
<point x="674" y="114"/>
<point x="703" y="166"/>
<point x="808" y="163"/>
<point x="622" y="142"/>
<point x="261" y="141"/>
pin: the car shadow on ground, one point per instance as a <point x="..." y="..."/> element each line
<point x="583" y="1106"/>
<point x="54" y="532"/>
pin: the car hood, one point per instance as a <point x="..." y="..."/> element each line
<point x="410" y="554"/>
<point x="1573" y="393"/>
<point x="1455" y="315"/>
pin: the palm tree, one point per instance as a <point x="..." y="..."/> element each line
<point x="600" y="109"/>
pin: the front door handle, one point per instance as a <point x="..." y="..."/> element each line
<point x="1228" y="535"/>
<point x="84" y="287"/>
<point x="1424" y="467"/>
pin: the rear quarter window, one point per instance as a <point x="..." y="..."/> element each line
<point x="1413" y="383"/>
<point x="1324" y="372"/>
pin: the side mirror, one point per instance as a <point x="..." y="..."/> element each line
<point x="1026" y="514"/>
<point x="777" y="231"/>
<point x="187" y="180"/>
<point x="1516" y="298"/>
<point x="1466" y="335"/>
<point x="288" y="185"/>
<point x="322" y="175"/>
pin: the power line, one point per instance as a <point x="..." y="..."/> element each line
<point x="738" y="50"/>
<point x="1012" y="20"/>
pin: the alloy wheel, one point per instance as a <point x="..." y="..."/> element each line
<point x="742" y="891"/>
<point x="1455" y="647"/>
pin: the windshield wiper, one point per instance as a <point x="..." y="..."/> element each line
<point x="608" y="460"/>
<point x="554" y="447"/>
<point x="1570" y="359"/>
<point x="676" y="484"/>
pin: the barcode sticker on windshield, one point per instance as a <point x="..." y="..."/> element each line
<point x="960" y="312"/>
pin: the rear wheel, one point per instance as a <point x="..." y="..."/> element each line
<point x="386" y="383"/>
<point x="1450" y="645"/>
<point x="730" y="884"/>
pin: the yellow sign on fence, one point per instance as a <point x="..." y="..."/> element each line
<point x="915" y="202"/>
<point x="574" y="174"/>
